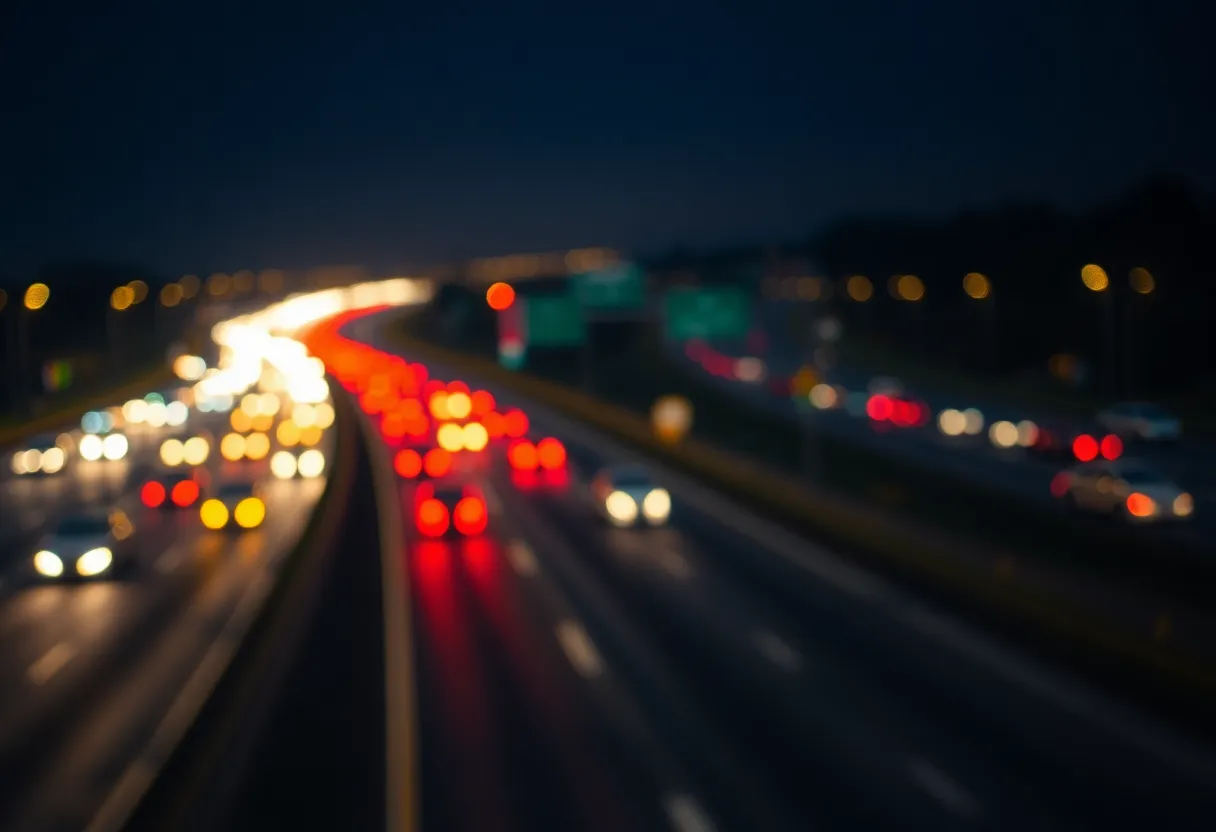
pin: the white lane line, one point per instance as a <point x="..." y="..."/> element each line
<point x="52" y="662"/>
<point x="579" y="649"/>
<point x="686" y="814"/>
<point x="522" y="559"/>
<point x="493" y="501"/>
<point x="776" y="650"/>
<point x="942" y="788"/>
<point x="171" y="558"/>
<point x="675" y="564"/>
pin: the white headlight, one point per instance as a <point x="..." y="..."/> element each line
<point x="91" y="447"/>
<point x="1184" y="504"/>
<point x="94" y="561"/>
<point x="114" y="447"/>
<point x="53" y="460"/>
<point x="657" y="505"/>
<point x="621" y="508"/>
<point x="48" y="564"/>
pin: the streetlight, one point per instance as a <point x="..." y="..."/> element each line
<point x="190" y="285"/>
<point x="1096" y="280"/>
<point x="978" y="287"/>
<point x="1143" y="283"/>
<point x="1141" y="280"/>
<point x="36" y="296"/>
<point x="139" y="291"/>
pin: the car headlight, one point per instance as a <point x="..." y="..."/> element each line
<point x="249" y="513"/>
<point x="657" y="505"/>
<point x="621" y="508"/>
<point x="94" y="561"/>
<point x="1184" y="504"/>
<point x="48" y="564"/>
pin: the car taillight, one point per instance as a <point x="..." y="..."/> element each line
<point x="407" y="463"/>
<point x="185" y="493"/>
<point x="471" y="516"/>
<point x="433" y="519"/>
<point x="550" y="454"/>
<point x="152" y="494"/>
<point x="437" y="462"/>
<point x="522" y="455"/>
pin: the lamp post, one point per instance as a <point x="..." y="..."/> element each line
<point x="1096" y="280"/>
<point x="1142" y="282"/>
<point x="978" y="287"/>
<point x="37" y="295"/>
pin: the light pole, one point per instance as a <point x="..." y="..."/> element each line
<point x="1095" y="279"/>
<point x="1143" y="283"/>
<point x="36" y="297"/>
<point x="121" y="299"/>
<point x="978" y="287"/>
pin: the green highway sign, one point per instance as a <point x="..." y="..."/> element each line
<point x="618" y="286"/>
<point x="555" y="321"/>
<point x="717" y="312"/>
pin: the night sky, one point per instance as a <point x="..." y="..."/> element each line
<point x="219" y="136"/>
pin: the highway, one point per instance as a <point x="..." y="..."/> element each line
<point x="1191" y="464"/>
<point x="91" y="670"/>
<point x="722" y="674"/>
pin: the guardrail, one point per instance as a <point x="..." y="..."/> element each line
<point x="921" y="553"/>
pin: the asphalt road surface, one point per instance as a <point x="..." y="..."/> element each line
<point x="91" y="670"/>
<point x="721" y="674"/>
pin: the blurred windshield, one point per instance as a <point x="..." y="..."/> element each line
<point x="81" y="526"/>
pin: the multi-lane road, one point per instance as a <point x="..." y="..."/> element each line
<point x="722" y="674"/>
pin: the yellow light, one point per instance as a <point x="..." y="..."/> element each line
<point x="311" y="464"/>
<point x="232" y="447"/>
<point x="1141" y="280"/>
<point x="241" y="421"/>
<point x="190" y="286"/>
<point x="475" y="436"/>
<point x="214" y="514"/>
<point x="459" y="406"/>
<point x="139" y="291"/>
<point x="94" y="562"/>
<point x="323" y="415"/>
<point x="310" y="437"/>
<point x="257" y="446"/>
<point x="977" y="286"/>
<point x="251" y="404"/>
<point x="910" y="287"/>
<point x="450" y="437"/>
<point x="171" y="295"/>
<point x="172" y="453"/>
<point x="249" y="513"/>
<point x="304" y="415"/>
<point x="122" y="298"/>
<point x="37" y="295"/>
<point x="671" y="418"/>
<point x="263" y="423"/>
<point x="283" y="465"/>
<point x="1094" y="277"/>
<point x="196" y="450"/>
<point x="859" y="288"/>
<point x="48" y="564"/>
<point x="288" y="434"/>
<point x="269" y="404"/>
<point x="439" y="406"/>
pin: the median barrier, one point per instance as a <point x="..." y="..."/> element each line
<point x="933" y="558"/>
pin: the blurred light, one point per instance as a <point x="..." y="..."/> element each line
<point x="53" y="460"/>
<point x="482" y="402"/>
<point x="550" y="454"/>
<point x="515" y="423"/>
<point x="433" y="518"/>
<point x="157" y="415"/>
<point x="1085" y="448"/>
<point x="232" y="447"/>
<point x="36" y="296"/>
<point x="438" y="406"/>
<point x="1028" y="433"/>
<point x="1184" y="504"/>
<point x="189" y="367"/>
<point x="910" y="287"/>
<point x="241" y="421"/>
<point x="1140" y="505"/>
<point x="152" y="494"/>
<point x="621" y="508"/>
<point x="522" y="455"/>
<point x="171" y="295"/>
<point x="257" y="446"/>
<point x="671" y="418"/>
<point x="135" y="411"/>
<point x="822" y="396"/>
<point x="977" y="286"/>
<point x="122" y="299"/>
<point x="251" y="404"/>
<point x="470" y="516"/>
<point x="139" y="291"/>
<point x="214" y="514"/>
<point x="407" y="463"/>
<point x="459" y="405"/>
<point x="500" y="296"/>
<point x="859" y="288"/>
<point x="1094" y="277"/>
<point x="114" y="447"/>
<point x="283" y="465"/>
<point x="323" y="415"/>
<point x="94" y="562"/>
<point x="185" y="492"/>
<point x="437" y="463"/>
<point x="48" y="564"/>
<point x="749" y="369"/>
<point x="249" y="513"/>
<point x="656" y="505"/>
<point x="172" y="453"/>
<point x="269" y="405"/>
<point x="475" y="438"/>
<point x="1003" y="434"/>
<point x="287" y="434"/>
<point x="176" y="414"/>
<point x="1111" y="447"/>
<point x="311" y="464"/>
<point x="1060" y="484"/>
<point x="879" y="408"/>
<point x="951" y="422"/>
<point x="311" y="436"/>
<point x="1141" y="280"/>
<point x="91" y="447"/>
<point x="973" y="421"/>
<point x="450" y="437"/>
<point x="196" y="450"/>
<point x="304" y="415"/>
<point x="263" y="423"/>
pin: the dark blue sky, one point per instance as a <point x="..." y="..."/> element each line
<point x="218" y="136"/>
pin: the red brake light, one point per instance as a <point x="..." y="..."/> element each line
<point x="152" y="494"/>
<point x="522" y="455"/>
<point x="407" y="463"/>
<point x="496" y="425"/>
<point x="458" y="387"/>
<point x="394" y="425"/>
<point x="880" y="408"/>
<point x="185" y="493"/>
<point x="483" y="403"/>
<point x="515" y="423"/>
<point x="437" y="462"/>
<point x="433" y="519"/>
<point x="1085" y="448"/>
<point x="1111" y="447"/>
<point x="471" y="516"/>
<point x="551" y="454"/>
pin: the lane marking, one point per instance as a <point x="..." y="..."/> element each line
<point x="171" y="558"/>
<point x="41" y="671"/>
<point x="579" y="649"/>
<point x="675" y="564"/>
<point x="522" y="559"/>
<point x="776" y="650"/>
<point x="942" y="788"/>
<point x="493" y="501"/>
<point x="686" y="814"/>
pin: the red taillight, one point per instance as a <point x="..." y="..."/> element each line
<point x="1111" y="447"/>
<point x="1060" y="484"/>
<point x="522" y="455"/>
<point x="185" y="493"/>
<point x="1085" y="448"/>
<point x="433" y="519"/>
<point x="515" y="423"/>
<point x="394" y="425"/>
<point x="458" y="387"/>
<point x="407" y="463"/>
<point x="152" y="494"/>
<point x="551" y="454"/>
<point x="904" y="414"/>
<point x="483" y="403"/>
<point x="437" y="462"/>
<point x="496" y="425"/>
<point x="880" y="408"/>
<point x="471" y="516"/>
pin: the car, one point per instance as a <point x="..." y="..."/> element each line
<point x="85" y="546"/>
<point x="445" y="508"/>
<point x="1144" y="421"/>
<point x="1127" y="489"/>
<point x="172" y="489"/>
<point x="236" y="506"/>
<point x="46" y="454"/>
<point x="626" y="495"/>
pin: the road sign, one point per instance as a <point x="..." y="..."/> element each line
<point x="554" y="321"/>
<point x="618" y="286"/>
<point x="718" y="312"/>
